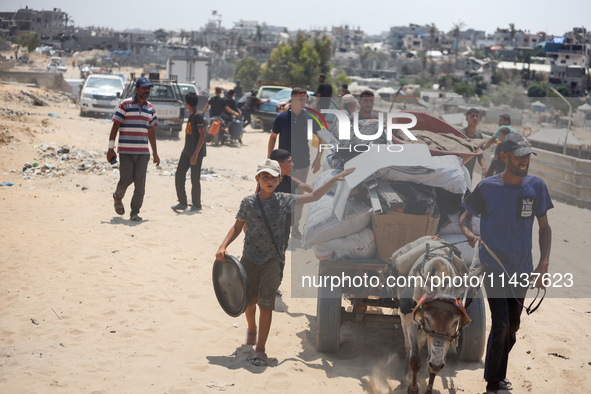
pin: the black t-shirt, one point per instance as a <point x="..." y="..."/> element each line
<point x="230" y="103"/>
<point x="192" y="135"/>
<point x="497" y="165"/>
<point x="325" y="93"/>
<point x="238" y="91"/>
<point x="251" y="102"/>
<point x="216" y="106"/>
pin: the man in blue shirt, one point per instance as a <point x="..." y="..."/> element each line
<point x="291" y="127"/>
<point x="507" y="204"/>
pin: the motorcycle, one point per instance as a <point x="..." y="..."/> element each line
<point x="225" y="132"/>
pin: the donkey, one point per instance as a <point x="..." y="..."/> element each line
<point x="436" y="319"/>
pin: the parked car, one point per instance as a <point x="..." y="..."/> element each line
<point x="264" y="118"/>
<point x="85" y="70"/>
<point x="187" y="87"/>
<point x="166" y="97"/>
<point x="56" y="63"/>
<point x="100" y="94"/>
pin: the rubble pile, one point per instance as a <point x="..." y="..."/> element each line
<point x="54" y="161"/>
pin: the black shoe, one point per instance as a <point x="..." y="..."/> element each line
<point x="179" y="208"/>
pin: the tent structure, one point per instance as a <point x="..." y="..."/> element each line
<point x="556" y="136"/>
<point x="538" y="106"/>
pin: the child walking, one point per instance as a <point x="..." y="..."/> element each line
<point x="263" y="214"/>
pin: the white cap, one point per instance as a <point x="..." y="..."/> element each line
<point x="270" y="166"/>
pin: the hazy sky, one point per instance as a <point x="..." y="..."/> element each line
<point x="554" y="17"/>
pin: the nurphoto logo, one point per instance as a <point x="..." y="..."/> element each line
<point x="344" y="129"/>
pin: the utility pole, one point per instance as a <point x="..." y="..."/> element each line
<point x="570" y="111"/>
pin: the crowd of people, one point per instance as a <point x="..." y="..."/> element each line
<point x="507" y="200"/>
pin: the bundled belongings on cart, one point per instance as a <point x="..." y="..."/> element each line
<point x="441" y="137"/>
<point x="403" y="198"/>
<point x="393" y="201"/>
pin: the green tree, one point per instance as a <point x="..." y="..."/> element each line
<point x="509" y="94"/>
<point x="298" y="61"/>
<point x="465" y="89"/>
<point x="247" y="70"/>
<point x="566" y="92"/>
<point x="537" y="90"/>
<point x="30" y="41"/>
<point x="340" y="80"/>
<point x="323" y="47"/>
<point x="161" y="35"/>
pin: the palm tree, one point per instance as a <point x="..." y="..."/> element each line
<point x="455" y="32"/>
<point x="432" y="32"/>
<point x="512" y="32"/>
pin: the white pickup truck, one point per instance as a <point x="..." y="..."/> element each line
<point x="166" y="97"/>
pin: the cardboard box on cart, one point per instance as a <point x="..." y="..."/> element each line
<point x="393" y="230"/>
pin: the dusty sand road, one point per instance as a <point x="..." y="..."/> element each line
<point x="90" y="302"/>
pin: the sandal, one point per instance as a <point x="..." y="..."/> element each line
<point x="135" y="218"/>
<point x="505" y="384"/>
<point x="119" y="207"/>
<point x="259" y="359"/>
<point x="296" y="234"/>
<point x="251" y="339"/>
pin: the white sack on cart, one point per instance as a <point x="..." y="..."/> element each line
<point x="361" y="245"/>
<point x="322" y="224"/>
<point x="454" y="228"/>
<point x="325" y="177"/>
<point x="445" y="172"/>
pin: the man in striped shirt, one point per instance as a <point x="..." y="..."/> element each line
<point x="135" y="120"/>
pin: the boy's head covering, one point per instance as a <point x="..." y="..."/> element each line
<point x="279" y="154"/>
<point x="270" y="166"/>
<point x="517" y="144"/>
<point x="348" y="99"/>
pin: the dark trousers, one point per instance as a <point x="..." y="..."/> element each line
<point x="246" y="114"/>
<point x="132" y="169"/>
<point x="505" y="304"/>
<point x="180" y="177"/>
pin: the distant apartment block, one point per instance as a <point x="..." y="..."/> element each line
<point x="51" y="25"/>
<point x="397" y="36"/>
<point x="569" y="58"/>
<point x="346" y="37"/>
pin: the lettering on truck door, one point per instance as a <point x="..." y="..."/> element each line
<point x="165" y="112"/>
